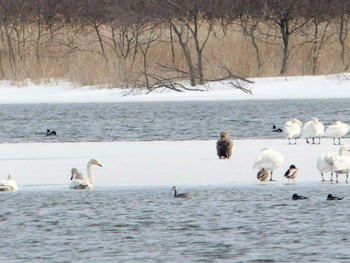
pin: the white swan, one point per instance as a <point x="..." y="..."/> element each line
<point x="341" y="165"/>
<point x="312" y="129"/>
<point x="337" y="130"/>
<point x="292" y="129"/>
<point x="79" y="181"/>
<point x="8" y="185"/>
<point x="325" y="161"/>
<point x="224" y="146"/>
<point x="268" y="159"/>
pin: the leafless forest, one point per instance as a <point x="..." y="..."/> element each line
<point x="162" y="43"/>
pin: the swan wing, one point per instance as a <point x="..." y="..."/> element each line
<point x="324" y="163"/>
<point x="338" y="129"/>
<point x="342" y="164"/>
<point x="268" y="159"/>
<point x="8" y="185"/>
<point x="292" y="129"/>
<point x="307" y="129"/>
<point x="80" y="184"/>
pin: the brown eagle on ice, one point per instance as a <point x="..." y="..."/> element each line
<point x="224" y="145"/>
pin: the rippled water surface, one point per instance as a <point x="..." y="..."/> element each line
<point x="161" y="120"/>
<point x="256" y="223"/>
<point x="232" y="223"/>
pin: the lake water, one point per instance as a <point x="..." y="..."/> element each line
<point x="256" y="223"/>
<point x="145" y="121"/>
<point x="229" y="223"/>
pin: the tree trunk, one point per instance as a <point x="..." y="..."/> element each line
<point x="187" y="56"/>
<point x="284" y="28"/>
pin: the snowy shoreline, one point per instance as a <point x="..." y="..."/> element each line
<point x="302" y="87"/>
<point x="157" y="163"/>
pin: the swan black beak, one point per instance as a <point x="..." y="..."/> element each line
<point x="99" y="164"/>
<point x="71" y="178"/>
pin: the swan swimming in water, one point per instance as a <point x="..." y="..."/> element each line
<point x="312" y="129"/>
<point x="337" y="130"/>
<point x="224" y="146"/>
<point x="268" y="159"/>
<point x="79" y="181"/>
<point x="292" y="129"/>
<point x="325" y="161"/>
<point x="184" y="195"/>
<point x="291" y="173"/>
<point x="8" y="185"/>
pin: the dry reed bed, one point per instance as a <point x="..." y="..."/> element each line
<point x="76" y="54"/>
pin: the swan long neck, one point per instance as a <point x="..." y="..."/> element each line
<point x="90" y="178"/>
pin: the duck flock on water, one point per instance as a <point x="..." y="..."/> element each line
<point x="266" y="161"/>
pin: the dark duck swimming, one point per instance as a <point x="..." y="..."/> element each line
<point x="176" y="195"/>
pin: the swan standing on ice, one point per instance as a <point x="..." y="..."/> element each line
<point x="325" y="161"/>
<point x="268" y="159"/>
<point x="8" y="185"/>
<point x="79" y="181"/>
<point x="341" y="165"/>
<point x="224" y="146"/>
<point x="337" y="130"/>
<point x="312" y="129"/>
<point x="292" y="129"/>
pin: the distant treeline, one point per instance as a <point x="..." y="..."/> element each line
<point x="160" y="43"/>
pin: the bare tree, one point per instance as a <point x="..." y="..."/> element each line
<point x="287" y="17"/>
<point x="342" y="15"/>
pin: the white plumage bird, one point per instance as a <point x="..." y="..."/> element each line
<point x="8" y="185"/>
<point x="292" y="129"/>
<point x="312" y="129"/>
<point x="79" y="181"/>
<point x="268" y="159"/>
<point x="325" y="161"/>
<point x="337" y="130"/>
<point x="341" y="164"/>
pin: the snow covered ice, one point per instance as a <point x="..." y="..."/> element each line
<point x="165" y="162"/>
